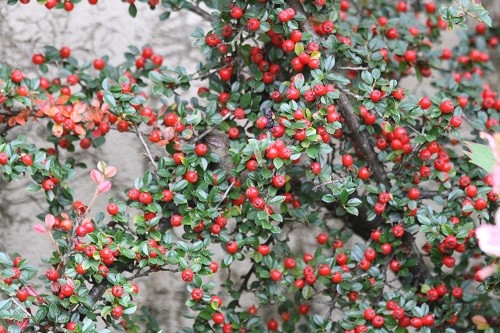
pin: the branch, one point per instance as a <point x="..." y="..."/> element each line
<point x="362" y="140"/>
<point x="144" y="144"/>
<point x="353" y="68"/>
<point x="200" y="12"/>
<point x="250" y="272"/>
<point x="297" y="6"/>
<point x="202" y="135"/>
<point x="225" y="194"/>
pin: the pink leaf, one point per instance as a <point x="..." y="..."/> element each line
<point x="105" y="186"/>
<point x="487" y="271"/>
<point x="50" y="220"/>
<point x="31" y="291"/>
<point x="489" y="239"/>
<point x="55" y="286"/>
<point x="40" y="228"/>
<point x="96" y="176"/>
<point x="70" y="283"/>
<point x="23" y="324"/>
<point x="110" y="171"/>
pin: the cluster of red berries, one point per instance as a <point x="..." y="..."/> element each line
<point x="441" y="163"/>
<point x="309" y="58"/>
<point x="439" y="291"/>
<point x="397" y="139"/>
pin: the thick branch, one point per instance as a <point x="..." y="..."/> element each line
<point x="362" y="140"/>
<point x="297" y="6"/>
<point x="358" y="223"/>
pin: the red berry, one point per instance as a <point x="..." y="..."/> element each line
<point x="99" y="64"/>
<point x="218" y="318"/>
<point x="117" y="312"/>
<point x="232" y="247"/>
<point x="117" y="291"/>
<point x="376" y="96"/>
<point x="22" y="294"/>
<point x="187" y="275"/>
<point x="52" y="274"/>
<point x="447" y="106"/>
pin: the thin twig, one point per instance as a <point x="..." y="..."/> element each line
<point x="353" y="68"/>
<point x="144" y="144"/>
<point x="22" y="307"/>
<point x="199" y="137"/>
<point x="225" y="194"/>
<point x="348" y="92"/>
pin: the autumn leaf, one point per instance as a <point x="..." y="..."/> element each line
<point x="104" y="186"/>
<point x="57" y="130"/>
<point x="40" y="228"/>
<point x="80" y="130"/>
<point x="96" y="176"/>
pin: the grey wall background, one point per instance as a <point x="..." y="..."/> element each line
<point x="94" y="31"/>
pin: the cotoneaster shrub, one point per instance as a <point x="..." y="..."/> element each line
<point x="301" y="117"/>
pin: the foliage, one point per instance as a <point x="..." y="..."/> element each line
<point x="301" y="117"/>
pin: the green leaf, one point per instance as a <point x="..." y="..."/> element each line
<point x="33" y="188"/>
<point x="132" y="10"/>
<point x="352" y="210"/>
<point x="481" y="155"/>
<point x="109" y="99"/>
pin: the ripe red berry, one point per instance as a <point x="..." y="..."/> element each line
<point x="447" y="106"/>
<point x="378" y="321"/>
<point x="38" y="59"/>
<point x="187" y="275"/>
<point x="275" y="275"/>
<point x="428" y="320"/>
<point x="22" y="294"/>
<point x="117" y="311"/>
<point x="197" y="294"/>
<point x="52" y="274"/>
<point x="218" y="318"/>
<point x="364" y="173"/>
<point x="376" y="96"/>
<point x="369" y="314"/>
<point x="232" y="247"/>
<point x="413" y="194"/>
<point x="67" y="290"/>
<point x="416" y="322"/>
<point x="457" y="292"/>
<point x="117" y="291"/>
<point x="99" y="64"/>
<point x="253" y="24"/>
<point x="398" y="230"/>
<point x="449" y="261"/>
<point x="112" y="208"/>
<point x="395" y="265"/>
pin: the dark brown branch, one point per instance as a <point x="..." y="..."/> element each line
<point x="362" y="140"/>
<point x="251" y="271"/>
